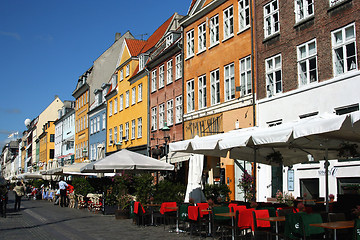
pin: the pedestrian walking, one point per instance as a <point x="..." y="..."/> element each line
<point x="62" y="186"/>
<point x="19" y="191"/>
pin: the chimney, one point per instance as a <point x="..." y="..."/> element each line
<point x="117" y="36"/>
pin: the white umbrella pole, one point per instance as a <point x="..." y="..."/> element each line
<point x="327" y="178"/>
<point x="254" y="173"/>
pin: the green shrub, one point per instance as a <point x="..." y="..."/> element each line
<point x="144" y="187"/>
<point x="166" y="191"/>
<point x="82" y="186"/>
<point x="217" y="192"/>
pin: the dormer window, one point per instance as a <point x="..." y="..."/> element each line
<point x="169" y="39"/>
<point x="142" y="61"/>
<point x="114" y="80"/>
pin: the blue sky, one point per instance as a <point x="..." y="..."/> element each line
<point x="45" y="45"/>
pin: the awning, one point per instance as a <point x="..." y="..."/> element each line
<point x="175" y="157"/>
<point x="73" y="168"/>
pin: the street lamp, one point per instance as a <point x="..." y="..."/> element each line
<point x="166" y="129"/>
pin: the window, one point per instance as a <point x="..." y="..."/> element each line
<point x="110" y="108"/>
<point x="133" y="95"/>
<point x="161" y="76"/>
<point x="202" y="37"/>
<point x="273" y="75"/>
<point x="121" y="74"/>
<point x="127" y="70"/>
<point x="161" y="115"/>
<point x="228" y="22"/>
<point x="214" y="30"/>
<point x="142" y="60"/>
<point x="97" y="123"/>
<point x="229" y="81"/>
<point x="121" y="102"/>
<point x="245" y="76"/>
<point x="139" y="135"/>
<point x="140" y="92"/>
<point x="114" y="80"/>
<point x="169" y="39"/>
<point x="271" y="18"/>
<point x="169" y="72"/>
<point x="178" y="109"/>
<point x="153" y="81"/>
<point x="133" y="126"/>
<point x="303" y="9"/>
<point x="190" y="95"/>
<point x="115" y="134"/>
<point x="190" y="43"/>
<point x="153" y="119"/>
<point x="104" y="122"/>
<point x="52" y="137"/>
<point x="127" y="99"/>
<point x="115" y="105"/>
<point x="91" y="126"/>
<point x="121" y="133"/>
<point x="110" y="137"/>
<point x="127" y="131"/>
<point x="347" y="109"/>
<point x="178" y="68"/>
<point x="202" y="91"/>
<point x="307" y="67"/>
<point x="344" y="50"/>
<point x="215" y="87"/>
<point x="170" y="112"/>
<point x="244" y="14"/>
<point x="334" y="2"/>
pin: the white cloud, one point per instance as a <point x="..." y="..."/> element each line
<point x="11" y="34"/>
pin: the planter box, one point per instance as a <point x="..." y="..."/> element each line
<point x="109" y="210"/>
<point x="122" y="214"/>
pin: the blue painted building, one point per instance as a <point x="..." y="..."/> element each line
<point x="97" y="124"/>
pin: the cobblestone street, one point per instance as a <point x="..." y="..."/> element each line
<point x="40" y="219"/>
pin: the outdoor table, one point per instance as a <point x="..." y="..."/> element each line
<point x="276" y="220"/>
<point x="177" y="230"/>
<point x="208" y="211"/>
<point x="335" y="225"/>
<point x="151" y="205"/>
<point x="232" y="215"/>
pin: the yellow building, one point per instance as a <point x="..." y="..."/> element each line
<point x="47" y="145"/>
<point x="81" y="94"/>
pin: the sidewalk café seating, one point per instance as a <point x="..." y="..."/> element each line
<point x="334" y="217"/>
<point x="82" y="203"/>
<point x="168" y="210"/>
<point x="219" y="222"/>
<point x="183" y="214"/>
<point x="193" y="217"/>
<point x="261" y="228"/>
<point x="51" y="196"/>
<point x="297" y="226"/>
<point x="231" y="206"/>
<point x="204" y="220"/>
<point x="244" y="219"/>
<point x="141" y="216"/>
<point x="357" y="229"/>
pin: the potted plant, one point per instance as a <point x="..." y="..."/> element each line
<point x="246" y="186"/>
<point x="123" y="204"/>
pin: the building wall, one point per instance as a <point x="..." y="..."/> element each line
<point x="99" y="136"/>
<point x="81" y="126"/>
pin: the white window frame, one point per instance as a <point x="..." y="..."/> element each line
<point x="229" y="82"/>
<point x="121" y="74"/>
<point x="127" y="131"/>
<point x="98" y="122"/>
<point x="335" y="2"/>
<point x="91" y="126"/>
<point x="161" y="115"/>
<point x="190" y="95"/>
<point x="245" y="76"/>
<point x="214" y="30"/>
<point x="244" y="15"/>
<point x="169" y="71"/>
<point x="153" y="80"/>
<point x="121" y="132"/>
<point x="228" y="16"/>
<point x="154" y="118"/>
<point x="272" y="71"/>
<point x="303" y="9"/>
<point x="139" y="135"/>
<point x="104" y="121"/>
<point x="170" y="112"/>
<point x="169" y="39"/>
<point x="133" y="95"/>
<point x="121" y="107"/>
<point x="133" y="127"/>
<point x="190" y="48"/>
<point x="110" y="137"/>
<point x="127" y="99"/>
<point x="178" y="67"/>
<point x="115" y="134"/>
<point x="161" y="77"/>
<point x="215" y="87"/>
<point x="178" y="109"/>
<point x="202" y="37"/>
<point x="271" y="18"/>
<point x="306" y="55"/>
<point x="115" y="105"/>
<point x="110" y="108"/>
<point x="202" y="91"/>
<point x="340" y="42"/>
<point x="127" y="70"/>
<point x="139" y="92"/>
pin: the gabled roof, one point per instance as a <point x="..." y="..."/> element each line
<point x="192" y="5"/>
<point x="135" y="46"/>
<point x="157" y="35"/>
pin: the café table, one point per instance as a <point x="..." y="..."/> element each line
<point x="177" y="230"/>
<point x="276" y="220"/>
<point x="232" y="215"/>
<point x="334" y="225"/>
<point x="151" y="206"/>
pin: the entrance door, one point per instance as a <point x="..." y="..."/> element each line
<point x="310" y="187"/>
<point x="276" y="180"/>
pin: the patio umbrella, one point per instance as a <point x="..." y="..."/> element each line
<point x="128" y="160"/>
<point x="193" y="189"/>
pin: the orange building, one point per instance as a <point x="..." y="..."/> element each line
<point x="46" y="145"/>
<point x="218" y="78"/>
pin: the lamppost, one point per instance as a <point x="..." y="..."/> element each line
<point x="166" y="129"/>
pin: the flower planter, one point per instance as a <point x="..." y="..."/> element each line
<point x="122" y="214"/>
<point x="109" y="210"/>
